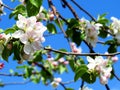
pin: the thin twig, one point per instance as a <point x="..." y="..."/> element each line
<point x="16" y="83"/>
<point x="4" y="74"/>
<point x="84" y="10"/>
<point x="57" y="16"/>
<point x="107" y="87"/>
<point x="81" y="54"/>
<point x="72" y="10"/>
<point x="63" y="85"/>
<point x="41" y="66"/>
<point x="82" y="84"/>
<point x="115" y="76"/>
<point x="7" y="7"/>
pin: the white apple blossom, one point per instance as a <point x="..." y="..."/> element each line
<point x="56" y="82"/>
<point x="102" y="66"/>
<point x="26" y="24"/>
<point x="116" y="28"/>
<point x="30" y="33"/>
<point x="91" y="32"/>
<point x="115" y="25"/>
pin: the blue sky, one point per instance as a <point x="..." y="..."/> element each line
<point x="95" y="7"/>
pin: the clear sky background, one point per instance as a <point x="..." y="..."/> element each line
<point x="95" y="7"/>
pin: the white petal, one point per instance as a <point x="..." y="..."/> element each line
<point x="17" y="34"/>
<point x="90" y="60"/>
<point x="24" y="39"/>
<point x="28" y="49"/>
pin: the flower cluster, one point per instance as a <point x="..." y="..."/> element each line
<point x="91" y="31"/>
<point x="56" y="82"/>
<point x="102" y="66"/>
<point x="56" y="63"/>
<point x="116" y="28"/>
<point x="30" y="33"/>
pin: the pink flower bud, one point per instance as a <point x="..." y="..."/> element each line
<point x="114" y="59"/>
<point x="65" y="62"/>
<point x="1" y="65"/>
<point x="55" y="63"/>
<point x="51" y="16"/>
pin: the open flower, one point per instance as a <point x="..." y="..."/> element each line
<point x="56" y="82"/>
<point x="102" y="66"/>
<point x="91" y="33"/>
<point x="30" y="33"/>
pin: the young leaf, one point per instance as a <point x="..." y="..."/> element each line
<point x="32" y="10"/>
<point x="36" y="3"/>
<point x="51" y="28"/>
<point x="81" y="70"/>
<point x="89" y="77"/>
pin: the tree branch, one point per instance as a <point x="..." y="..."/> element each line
<point x="82" y="54"/>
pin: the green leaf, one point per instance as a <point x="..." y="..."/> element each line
<point x="80" y="71"/>
<point x="36" y="78"/>
<point x="112" y="48"/>
<point x="28" y="72"/>
<point x="32" y="10"/>
<point x="77" y="37"/>
<point x="61" y="22"/>
<point x="17" y="50"/>
<point x="6" y="53"/>
<point x="20" y="9"/>
<point x="62" y="69"/>
<point x="51" y="28"/>
<point x="37" y="56"/>
<point x="36" y="3"/>
<point x="102" y="19"/>
<point x="89" y="77"/>
<point x="9" y="30"/>
<point x="110" y="42"/>
<point x="103" y="34"/>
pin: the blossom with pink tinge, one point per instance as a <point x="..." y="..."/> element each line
<point x="114" y="59"/>
<point x="56" y="82"/>
<point x="30" y="33"/>
<point x="75" y="49"/>
<point x="66" y="62"/>
<point x="102" y="66"/>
